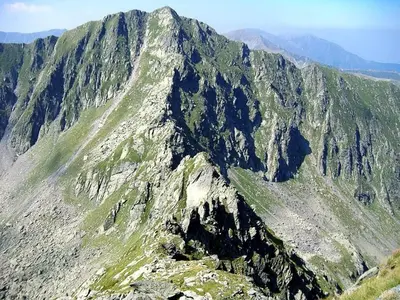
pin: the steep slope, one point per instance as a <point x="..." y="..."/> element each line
<point x="151" y="152"/>
<point x="383" y="285"/>
<point x="27" y="38"/>
<point x="131" y="171"/>
<point x="307" y="47"/>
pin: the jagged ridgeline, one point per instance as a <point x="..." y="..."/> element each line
<point x="153" y="123"/>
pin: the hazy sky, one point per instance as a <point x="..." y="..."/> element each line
<point x="225" y="15"/>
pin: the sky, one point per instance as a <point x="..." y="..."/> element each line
<point x="224" y="15"/>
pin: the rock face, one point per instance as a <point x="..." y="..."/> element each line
<point x="138" y="121"/>
<point x="258" y="119"/>
<point x="351" y="151"/>
<point x="218" y="221"/>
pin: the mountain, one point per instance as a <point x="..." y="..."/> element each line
<point x="260" y="40"/>
<point x="374" y="44"/>
<point x="316" y="49"/>
<point x="145" y="155"/>
<point x="26" y="38"/>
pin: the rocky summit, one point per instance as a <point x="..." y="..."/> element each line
<point x="145" y="156"/>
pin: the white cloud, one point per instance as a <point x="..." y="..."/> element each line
<point x="18" y="7"/>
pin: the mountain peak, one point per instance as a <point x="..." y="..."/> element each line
<point x="166" y="11"/>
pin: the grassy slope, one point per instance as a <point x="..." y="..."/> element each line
<point x="388" y="277"/>
<point x="313" y="189"/>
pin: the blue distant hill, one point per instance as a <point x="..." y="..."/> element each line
<point x="17" y="37"/>
<point x="308" y="47"/>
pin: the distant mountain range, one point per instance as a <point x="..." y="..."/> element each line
<point x="303" y="48"/>
<point x="17" y="37"/>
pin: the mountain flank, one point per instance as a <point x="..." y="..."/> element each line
<point x="145" y="155"/>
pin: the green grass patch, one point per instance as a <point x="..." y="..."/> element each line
<point x="55" y="149"/>
<point x="388" y="277"/>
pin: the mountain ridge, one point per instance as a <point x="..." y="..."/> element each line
<point x="136" y="135"/>
<point x="314" y="48"/>
<point x="27" y="38"/>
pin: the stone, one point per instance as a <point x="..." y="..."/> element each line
<point x="392" y="294"/>
<point x="367" y="275"/>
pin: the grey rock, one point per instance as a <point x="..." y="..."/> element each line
<point x="392" y="294"/>
<point x="367" y="275"/>
<point x="112" y="216"/>
<point x="154" y="289"/>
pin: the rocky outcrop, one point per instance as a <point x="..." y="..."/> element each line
<point x="7" y="101"/>
<point x="354" y="141"/>
<point x="393" y="293"/>
<point x="369" y="274"/>
<point x="217" y="221"/>
<point x="112" y="216"/>
<point x="86" y="69"/>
